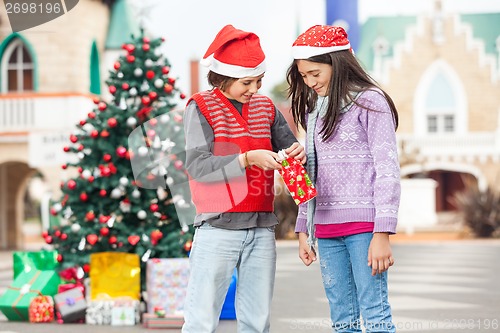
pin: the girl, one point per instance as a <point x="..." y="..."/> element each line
<point x="232" y="136"/>
<point x="352" y="156"/>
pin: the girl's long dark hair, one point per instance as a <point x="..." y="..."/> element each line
<point x="347" y="76"/>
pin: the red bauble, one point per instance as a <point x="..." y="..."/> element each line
<point x="146" y="40"/>
<point x="165" y="70"/>
<point x="80" y="169"/>
<point x="104" y="134"/>
<point x="64" y="236"/>
<point x="82" y="122"/>
<point x="145" y="100"/>
<point x="105" y="172"/>
<point x="104" y="231"/>
<point x="80" y="147"/>
<point x="59" y="258"/>
<point x="153" y="95"/>
<point x="112" y="240"/>
<point x="130" y="58"/>
<point x="156" y="235"/>
<point x="96" y="100"/>
<point x="102" y="106"/>
<point x="53" y="212"/>
<point x="182" y="96"/>
<point x="66" y="149"/>
<point x="121" y="151"/>
<point x="117" y="65"/>
<point x="188" y="245"/>
<point x="112" y="89"/>
<point x="168" y="88"/>
<point x="145" y="47"/>
<point x="154" y="207"/>
<point x="84" y="197"/>
<point x="91" y="179"/>
<point x="90" y="216"/>
<point x="150" y="74"/>
<point x="103" y="219"/>
<point x="57" y="233"/>
<point x="171" y="80"/>
<point x="92" y="239"/>
<point x="106" y="157"/>
<point x="94" y="134"/>
<point x="91" y="115"/>
<point x="86" y="268"/>
<point x="103" y="192"/>
<point x="125" y="86"/>
<point x="48" y="240"/>
<point x="64" y="166"/>
<point x="112" y="122"/>
<point x="45" y="234"/>
<point x="133" y="240"/>
<point x="73" y="138"/>
<point x="71" y="184"/>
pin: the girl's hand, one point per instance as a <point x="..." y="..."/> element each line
<point x="380" y="253"/>
<point x="264" y="159"/>
<point x="297" y="151"/>
<point x="306" y="253"/>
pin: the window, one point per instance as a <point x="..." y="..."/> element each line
<point x="17" y="68"/>
<point x="440" y="123"/>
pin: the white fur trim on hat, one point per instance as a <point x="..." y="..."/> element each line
<point x="305" y="52"/>
<point x="232" y="70"/>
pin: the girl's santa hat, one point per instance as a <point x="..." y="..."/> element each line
<point x="320" y="39"/>
<point x="235" y="53"/>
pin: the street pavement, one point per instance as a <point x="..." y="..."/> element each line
<point x="434" y="287"/>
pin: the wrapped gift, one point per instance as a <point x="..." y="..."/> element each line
<point x="68" y="286"/>
<point x="41" y="309"/>
<point x="38" y="260"/>
<point x="125" y="312"/>
<point x="16" y="300"/>
<point x="71" y="305"/>
<point x="116" y="274"/>
<point x="99" y="310"/>
<point x="151" y="320"/>
<point x="166" y="284"/>
<point x="296" y="179"/>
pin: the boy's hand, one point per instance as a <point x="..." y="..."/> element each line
<point x="297" y="151"/>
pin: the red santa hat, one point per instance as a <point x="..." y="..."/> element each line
<point x="235" y="53"/>
<point x="320" y="39"/>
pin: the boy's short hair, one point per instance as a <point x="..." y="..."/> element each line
<point x="220" y="81"/>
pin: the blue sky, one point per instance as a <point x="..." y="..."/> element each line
<point x="189" y="26"/>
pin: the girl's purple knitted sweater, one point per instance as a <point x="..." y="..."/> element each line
<point x="358" y="177"/>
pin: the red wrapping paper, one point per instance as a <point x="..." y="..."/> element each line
<point x="296" y="179"/>
<point x="41" y="310"/>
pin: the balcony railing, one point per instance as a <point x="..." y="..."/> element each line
<point x="41" y="112"/>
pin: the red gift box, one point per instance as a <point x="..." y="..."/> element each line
<point x="296" y="179"/>
<point x="41" y="310"/>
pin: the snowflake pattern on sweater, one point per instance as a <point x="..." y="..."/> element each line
<point x="358" y="176"/>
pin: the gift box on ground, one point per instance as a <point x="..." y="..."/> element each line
<point x="15" y="302"/>
<point x="151" y="320"/>
<point x="41" y="309"/>
<point x="125" y="312"/>
<point x="296" y="179"/>
<point x="34" y="260"/>
<point x="71" y="305"/>
<point x="99" y="310"/>
<point x="166" y="284"/>
<point x="115" y="274"/>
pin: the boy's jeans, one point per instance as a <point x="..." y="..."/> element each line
<point x="350" y="287"/>
<point x="214" y="255"/>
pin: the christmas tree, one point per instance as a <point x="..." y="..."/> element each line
<point x="130" y="190"/>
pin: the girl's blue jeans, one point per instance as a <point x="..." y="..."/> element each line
<point x="214" y="255"/>
<point x="351" y="289"/>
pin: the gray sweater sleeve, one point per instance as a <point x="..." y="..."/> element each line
<point x="201" y="164"/>
<point x="281" y="135"/>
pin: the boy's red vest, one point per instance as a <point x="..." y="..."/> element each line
<point x="234" y="134"/>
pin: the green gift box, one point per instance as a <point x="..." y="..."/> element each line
<point x="15" y="302"/>
<point x="40" y="260"/>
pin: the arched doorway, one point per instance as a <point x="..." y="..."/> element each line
<point x="14" y="177"/>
